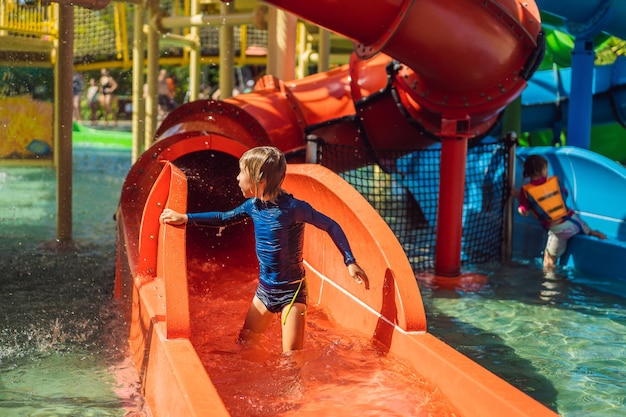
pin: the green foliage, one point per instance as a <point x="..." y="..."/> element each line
<point x="37" y="82"/>
<point x="614" y="48"/>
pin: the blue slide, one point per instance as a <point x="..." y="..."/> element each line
<point x="596" y="183"/>
<point x="596" y="186"/>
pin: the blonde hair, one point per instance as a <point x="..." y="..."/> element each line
<point x="265" y="163"/>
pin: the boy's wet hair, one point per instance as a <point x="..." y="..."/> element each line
<point x="533" y="166"/>
<point x="265" y="163"/>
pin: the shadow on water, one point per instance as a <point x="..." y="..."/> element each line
<point x="565" y="289"/>
<point x="486" y="347"/>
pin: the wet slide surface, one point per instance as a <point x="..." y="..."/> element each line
<point x="340" y="372"/>
<point x="337" y="364"/>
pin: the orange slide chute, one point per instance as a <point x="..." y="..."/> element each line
<point x="157" y="264"/>
<point x="423" y="71"/>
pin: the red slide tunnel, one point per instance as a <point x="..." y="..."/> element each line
<point x="465" y="60"/>
<point x="439" y="61"/>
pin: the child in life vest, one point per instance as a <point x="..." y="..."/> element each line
<point x="279" y="220"/>
<point x="545" y="197"/>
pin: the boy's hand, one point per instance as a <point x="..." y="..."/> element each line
<point x="169" y="216"/>
<point x="359" y="275"/>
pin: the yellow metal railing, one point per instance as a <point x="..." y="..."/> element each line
<point x="27" y="18"/>
<point x="101" y="37"/>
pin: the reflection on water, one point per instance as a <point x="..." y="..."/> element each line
<point x="63" y="348"/>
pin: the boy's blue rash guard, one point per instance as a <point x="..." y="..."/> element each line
<point x="279" y="234"/>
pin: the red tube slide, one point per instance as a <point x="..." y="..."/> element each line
<point x="464" y="60"/>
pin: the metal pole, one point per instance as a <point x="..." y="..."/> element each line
<point x="153" y="70"/>
<point x="227" y="54"/>
<point x="196" y="20"/>
<point x="286" y="45"/>
<point x="323" y="63"/>
<point x="507" y="250"/>
<point x="139" y="102"/>
<point x="581" y="100"/>
<point x="311" y="149"/>
<point x="64" y="71"/>
<point x="450" y="212"/>
<point x="272" y="48"/>
<point x="194" y="57"/>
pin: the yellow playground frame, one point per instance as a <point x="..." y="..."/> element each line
<point x="44" y="33"/>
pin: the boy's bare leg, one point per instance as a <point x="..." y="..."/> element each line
<point x="293" y="327"/>
<point x="257" y="321"/>
<point x="549" y="261"/>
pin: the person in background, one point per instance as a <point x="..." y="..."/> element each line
<point x="545" y="198"/>
<point x="93" y="100"/>
<point x="78" y="87"/>
<point x="164" y="95"/>
<point x="171" y="86"/>
<point x="279" y="221"/>
<point x="108" y="85"/>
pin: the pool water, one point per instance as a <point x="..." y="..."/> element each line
<point x="63" y="341"/>
<point x="63" y="349"/>
<point x="558" y="338"/>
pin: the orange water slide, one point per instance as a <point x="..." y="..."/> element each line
<point x="158" y="263"/>
<point x="423" y="71"/>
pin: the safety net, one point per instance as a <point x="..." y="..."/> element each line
<point x="98" y="33"/>
<point x="107" y="34"/>
<point x="403" y="186"/>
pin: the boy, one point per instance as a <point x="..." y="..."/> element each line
<point x="545" y="197"/>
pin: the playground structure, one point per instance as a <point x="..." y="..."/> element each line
<point x="105" y="37"/>
<point x="280" y="112"/>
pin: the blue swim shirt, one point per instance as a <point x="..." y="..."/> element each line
<point x="279" y="234"/>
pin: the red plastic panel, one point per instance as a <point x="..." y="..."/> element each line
<point x="374" y="245"/>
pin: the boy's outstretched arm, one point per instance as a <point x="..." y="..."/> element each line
<point x="359" y="275"/>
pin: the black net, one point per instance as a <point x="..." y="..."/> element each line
<point x="403" y="186"/>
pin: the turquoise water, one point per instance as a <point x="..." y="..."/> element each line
<point x="63" y="345"/>
<point x="63" y="340"/>
<point x="560" y="339"/>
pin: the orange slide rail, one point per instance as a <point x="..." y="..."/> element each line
<point x="152" y="280"/>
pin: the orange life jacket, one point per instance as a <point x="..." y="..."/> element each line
<point x="546" y="199"/>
